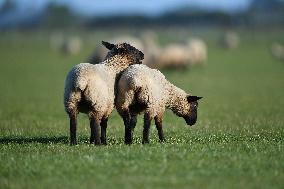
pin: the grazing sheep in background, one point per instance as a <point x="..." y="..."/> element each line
<point x="171" y="56"/>
<point x="230" y="40"/>
<point x="277" y="50"/>
<point x="71" y="46"/>
<point x="177" y="55"/>
<point x="146" y="43"/>
<point x="151" y="47"/>
<point x="56" y="40"/>
<point x="100" y="52"/>
<point x="89" y="89"/>
<point x="65" y="45"/>
<point x="141" y="88"/>
<point x="197" y="50"/>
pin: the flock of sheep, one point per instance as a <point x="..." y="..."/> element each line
<point x="192" y="51"/>
<point x="115" y="78"/>
<point x="174" y="55"/>
<point x="121" y="81"/>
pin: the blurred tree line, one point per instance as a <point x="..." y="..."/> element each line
<point x="260" y="13"/>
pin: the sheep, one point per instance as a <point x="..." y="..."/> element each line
<point x="197" y="51"/>
<point x="172" y="56"/>
<point x="71" y="46"/>
<point x="142" y="89"/>
<point x="277" y="51"/>
<point x="230" y="40"/>
<point x="100" y="52"/>
<point x="151" y="48"/>
<point x="56" y="40"/>
<point x="65" y="45"/>
<point x="179" y="55"/>
<point x="146" y="43"/>
<point x="90" y="89"/>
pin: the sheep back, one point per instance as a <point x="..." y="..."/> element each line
<point x="89" y="82"/>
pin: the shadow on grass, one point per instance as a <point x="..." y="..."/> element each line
<point x="42" y="140"/>
<point x="52" y="140"/>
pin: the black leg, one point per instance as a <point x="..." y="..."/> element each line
<point x="159" y="126"/>
<point x="126" y="120"/>
<point x="103" y="130"/>
<point x="133" y="121"/>
<point x="130" y="129"/>
<point x="92" y="137"/>
<point x="95" y="131"/>
<point x="147" y="123"/>
<point x="73" y="128"/>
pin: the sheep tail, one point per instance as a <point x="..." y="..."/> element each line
<point x="81" y="84"/>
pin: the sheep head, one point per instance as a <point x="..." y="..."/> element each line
<point x="191" y="115"/>
<point x="125" y="50"/>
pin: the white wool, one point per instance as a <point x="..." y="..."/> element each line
<point x="197" y="51"/>
<point x="89" y="88"/>
<point x="143" y="85"/>
<point x="97" y="84"/>
<point x="180" y="55"/>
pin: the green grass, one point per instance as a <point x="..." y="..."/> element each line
<point x="237" y="142"/>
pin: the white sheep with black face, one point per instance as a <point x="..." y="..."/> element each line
<point x="142" y="89"/>
<point x="100" y="53"/>
<point x="90" y="89"/>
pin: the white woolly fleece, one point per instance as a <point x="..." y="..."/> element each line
<point x="142" y="85"/>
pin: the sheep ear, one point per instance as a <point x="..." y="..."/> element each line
<point x="108" y="45"/>
<point x="141" y="55"/>
<point x="193" y="98"/>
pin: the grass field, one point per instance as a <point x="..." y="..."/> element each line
<point x="236" y="143"/>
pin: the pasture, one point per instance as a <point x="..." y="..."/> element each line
<point x="236" y="143"/>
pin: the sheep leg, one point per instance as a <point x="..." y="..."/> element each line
<point x="133" y="122"/>
<point x="127" y="126"/>
<point x="73" y="128"/>
<point x="95" y="131"/>
<point x="159" y="126"/>
<point x="103" y="130"/>
<point x="147" y="124"/>
<point x="130" y="129"/>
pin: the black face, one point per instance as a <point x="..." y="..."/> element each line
<point x="191" y="117"/>
<point x="125" y="49"/>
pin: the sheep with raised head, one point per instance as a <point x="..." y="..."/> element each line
<point x="90" y="89"/>
<point x="100" y="53"/>
<point x="142" y="89"/>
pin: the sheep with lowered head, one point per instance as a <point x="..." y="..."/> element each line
<point x="179" y="55"/>
<point x="89" y="89"/>
<point x="142" y="89"/>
